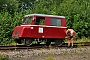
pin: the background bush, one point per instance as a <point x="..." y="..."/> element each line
<point x="12" y="11"/>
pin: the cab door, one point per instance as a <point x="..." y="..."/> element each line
<point x="40" y="23"/>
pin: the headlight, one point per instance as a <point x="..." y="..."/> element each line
<point x="16" y="32"/>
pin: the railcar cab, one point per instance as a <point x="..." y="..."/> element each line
<point x="41" y="27"/>
<point x="33" y="20"/>
<point x="42" y="19"/>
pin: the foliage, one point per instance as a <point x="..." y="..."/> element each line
<point x="9" y="5"/>
<point x="49" y="58"/>
<point x="7" y="24"/>
<point x="25" y="4"/>
<point x="4" y="57"/>
<point x="77" y="15"/>
<point x="83" y="40"/>
<point x="12" y="11"/>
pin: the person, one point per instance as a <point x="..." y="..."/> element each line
<point x="71" y="34"/>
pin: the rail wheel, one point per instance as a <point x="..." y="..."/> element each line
<point x="27" y="41"/>
<point x="18" y="41"/>
<point x="48" y="42"/>
<point x="59" y="41"/>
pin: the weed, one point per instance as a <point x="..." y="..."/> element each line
<point x="83" y="40"/>
<point x="64" y="53"/>
<point x="4" y="57"/>
<point x="49" y="58"/>
<point x="80" y="40"/>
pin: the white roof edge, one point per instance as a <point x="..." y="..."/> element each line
<point x="44" y="15"/>
<point x="46" y="26"/>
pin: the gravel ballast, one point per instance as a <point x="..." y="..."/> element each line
<point x="82" y="53"/>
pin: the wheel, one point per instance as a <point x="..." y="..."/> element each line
<point x="48" y="42"/>
<point x="18" y="41"/>
<point x="27" y="41"/>
<point x="59" y="41"/>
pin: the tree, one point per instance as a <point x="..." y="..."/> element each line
<point x="77" y="15"/>
<point x="9" y="5"/>
<point x="24" y="5"/>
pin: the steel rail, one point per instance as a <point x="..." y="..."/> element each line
<point x="41" y="46"/>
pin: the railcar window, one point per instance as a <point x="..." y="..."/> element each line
<point x="55" y="22"/>
<point x="40" y="21"/>
<point x="27" y="20"/>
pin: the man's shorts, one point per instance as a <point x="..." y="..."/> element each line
<point x="70" y="37"/>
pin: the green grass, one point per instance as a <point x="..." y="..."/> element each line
<point x="83" y="40"/>
<point x="4" y="57"/>
<point x="49" y="58"/>
<point x="79" y="40"/>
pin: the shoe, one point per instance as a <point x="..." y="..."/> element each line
<point x="68" y="47"/>
<point x="71" y="47"/>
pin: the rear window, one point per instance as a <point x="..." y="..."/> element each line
<point x="55" y="22"/>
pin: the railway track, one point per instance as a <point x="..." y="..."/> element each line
<point x="42" y="46"/>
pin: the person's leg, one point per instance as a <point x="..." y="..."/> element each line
<point x="68" y="43"/>
<point x="72" y="39"/>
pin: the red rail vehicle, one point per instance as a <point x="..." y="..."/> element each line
<point x="40" y="27"/>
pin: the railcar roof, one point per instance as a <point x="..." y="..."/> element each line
<point x="44" y="15"/>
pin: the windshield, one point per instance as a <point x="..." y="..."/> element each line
<point x="26" y="20"/>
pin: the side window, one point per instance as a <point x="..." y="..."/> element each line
<point x="40" y="21"/>
<point x="55" y="22"/>
<point x="27" y="20"/>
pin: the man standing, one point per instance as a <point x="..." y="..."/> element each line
<point x="70" y="35"/>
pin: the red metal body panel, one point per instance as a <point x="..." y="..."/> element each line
<point x="21" y="31"/>
<point x="63" y="22"/>
<point x="17" y="31"/>
<point x="48" y="32"/>
<point x="32" y="31"/>
<point x="55" y="32"/>
<point x="47" y="21"/>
